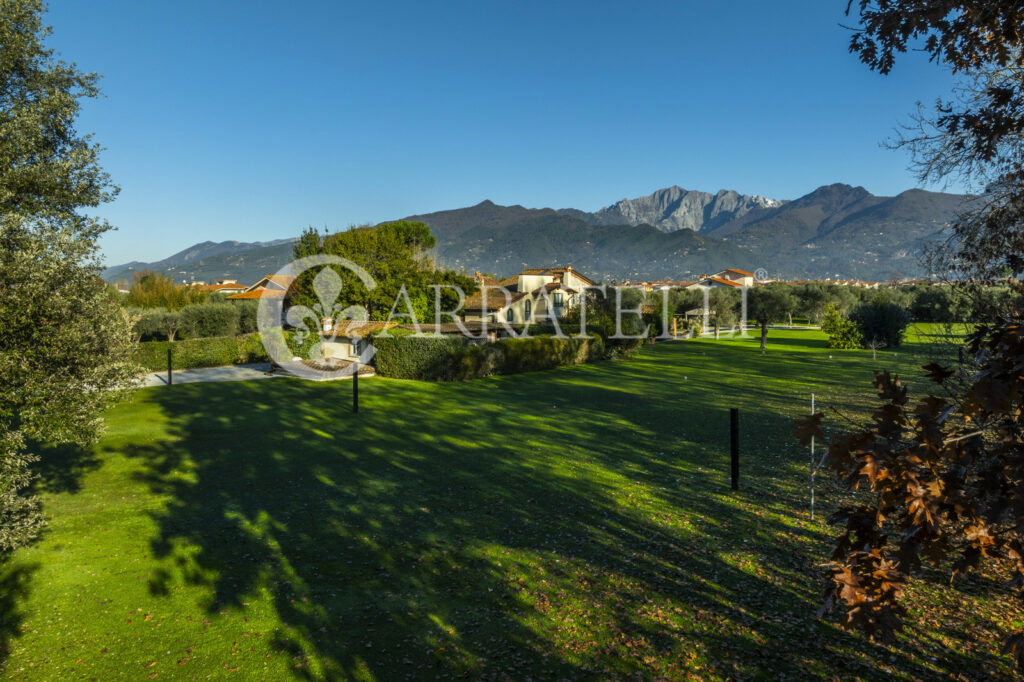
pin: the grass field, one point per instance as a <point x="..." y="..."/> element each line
<point x="576" y="523"/>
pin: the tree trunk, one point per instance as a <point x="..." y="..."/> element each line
<point x="790" y="319"/>
<point x="764" y="335"/>
<point x="716" y="331"/>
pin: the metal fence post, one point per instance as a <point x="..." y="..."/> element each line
<point x="170" y="371"/>
<point x="355" y="387"/>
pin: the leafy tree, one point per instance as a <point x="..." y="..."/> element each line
<point x="811" y="300"/>
<point x="940" y="304"/>
<point x="65" y="344"/>
<point x="767" y="304"/>
<point x="156" y="323"/>
<point x="976" y="136"/>
<point x="842" y="333"/>
<point x="723" y="304"/>
<point x="881" y="322"/>
<point x="395" y="255"/>
<point x="156" y="290"/>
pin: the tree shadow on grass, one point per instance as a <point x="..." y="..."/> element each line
<point x="61" y="467"/>
<point x="15" y="584"/>
<point x="513" y="527"/>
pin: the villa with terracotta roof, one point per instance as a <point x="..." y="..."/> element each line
<point x="732" y="277"/>
<point x="224" y="286"/>
<point x="271" y="286"/>
<point x="527" y="296"/>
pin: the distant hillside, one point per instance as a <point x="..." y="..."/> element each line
<point x="605" y="252"/>
<point x="835" y="231"/>
<point x="208" y="261"/>
<point x="844" y="231"/>
<point x="450" y="225"/>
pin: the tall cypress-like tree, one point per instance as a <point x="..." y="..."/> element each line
<point x="65" y="347"/>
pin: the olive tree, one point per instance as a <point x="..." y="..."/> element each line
<point x="65" y="345"/>
<point x="767" y="304"/>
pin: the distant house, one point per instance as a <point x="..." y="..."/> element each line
<point x="731" y="278"/>
<point x="271" y="286"/>
<point x="225" y="286"/>
<point x="526" y="296"/>
<point x="742" y="277"/>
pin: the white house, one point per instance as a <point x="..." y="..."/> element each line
<point x="526" y="296"/>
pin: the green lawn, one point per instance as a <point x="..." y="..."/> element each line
<point x="575" y="523"/>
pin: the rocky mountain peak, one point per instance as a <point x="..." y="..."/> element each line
<point x="676" y="208"/>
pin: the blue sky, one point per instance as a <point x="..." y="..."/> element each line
<point x="251" y="120"/>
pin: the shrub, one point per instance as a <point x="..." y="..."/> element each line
<point x="432" y="358"/>
<point x="830" y="319"/>
<point x="881" y="322"/>
<point x="511" y="356"/>
<point x="202" y="352"/>
<point x="845" y="335"/>
<point x="157" y="324"/>
<point x="210" y="319"/>
<point x="247" y="312"/>
<point x="405" y="356"/>
<point x="147" y="327"/>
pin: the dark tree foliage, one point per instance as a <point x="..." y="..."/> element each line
<point x="962" y="33"/>
<point x="978" y="135"/>
<point x="881" y="322"/>
<point x="395" y="256"/>
<point x="768" y="304"/>
<point x="944" y="478"/>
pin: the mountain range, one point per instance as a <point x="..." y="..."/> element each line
<point x="836" y="231"/>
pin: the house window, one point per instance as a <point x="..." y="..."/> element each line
<point x="526" y="309"/>
<point x="510" y="316"/>
<point x="556" y="299"/>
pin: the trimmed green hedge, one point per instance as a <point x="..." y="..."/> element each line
<point x="203" y="352"/>
<point x="402" y="356"/>
<point x="208" y="320"/>
<point x="512" y="356"/>
<point x="448" y="358"/>
<point x="399" y="355"/>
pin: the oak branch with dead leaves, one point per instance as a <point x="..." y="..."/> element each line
<point x="944" y="480"/>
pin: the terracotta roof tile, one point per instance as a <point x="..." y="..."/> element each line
<point x="726" y="282"/>
<point x="257" y="294"/>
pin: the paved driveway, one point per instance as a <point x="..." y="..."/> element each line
<point x="259" y="370"/>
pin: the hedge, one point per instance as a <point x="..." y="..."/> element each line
<point x="448" y="358"/>
<point x="210" y="320"/>
<point x="511" y="356"/>
<point x="203" y="352"/>
<point x="414" y="357"/>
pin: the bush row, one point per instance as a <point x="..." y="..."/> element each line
<point x="441" y="358"/>
<point x="202" y="352"/>
<point x="404" y="356"/>
<point x="200" y="320"/>
<point x="400" y="355"/>
<point x="511" y="356"/>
